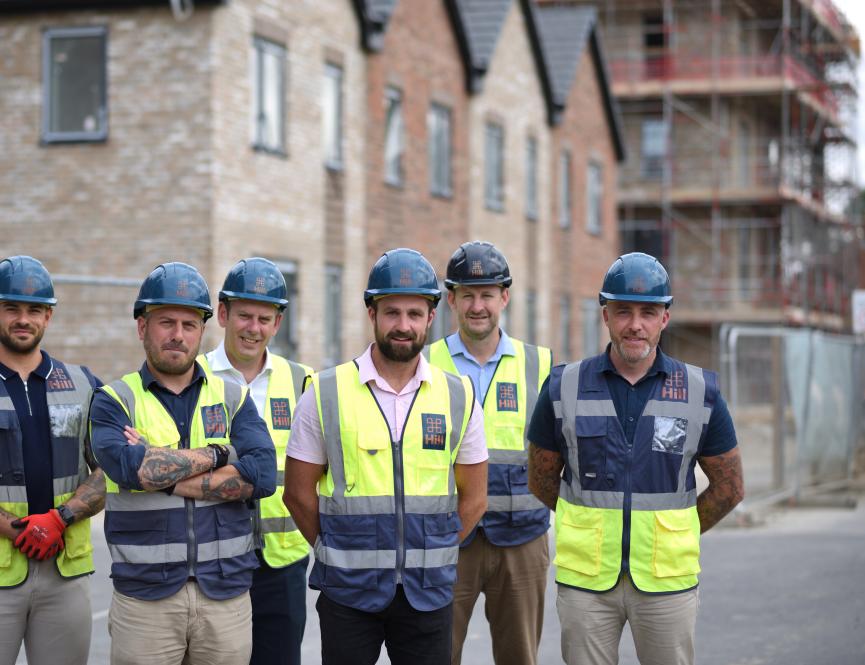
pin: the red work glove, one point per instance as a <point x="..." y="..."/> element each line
<point x="42" y="536"/>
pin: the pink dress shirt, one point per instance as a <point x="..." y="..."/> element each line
<point x="307" y="441"/>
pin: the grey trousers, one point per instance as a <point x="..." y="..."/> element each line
<point x="50" y="614"/>
<point x="663" y="625"/>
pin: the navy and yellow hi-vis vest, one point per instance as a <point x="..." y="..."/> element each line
<point x="514" y="515"/>
<point x="67" y="391"/>
<point x="157" y="542"/>
<point x="628" y="508"/>
<point x="388" y="509"/>
<point x="283" y="544"/>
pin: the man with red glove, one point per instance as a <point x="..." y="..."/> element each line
<point x="47" y="491"/>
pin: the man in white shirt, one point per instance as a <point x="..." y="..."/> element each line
<point x="251" y="303"/>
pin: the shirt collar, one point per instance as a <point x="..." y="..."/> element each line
<point x="367" y="371"/>
<point x="661" y="365"/>
<point x="46" y="365"/>
<point x="147" y="378"/>
<point x="219" y="362"/>
<point x="505" y="347"/>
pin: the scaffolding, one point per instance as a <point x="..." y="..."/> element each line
<point x="739" y="117"/>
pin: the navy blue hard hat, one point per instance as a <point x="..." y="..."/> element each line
<point x="24" y="279"/>
<point x="177" y="284"/>
<point x="402" y="272"/>
<point x="255" y="279"/>
<point x="477" y="263"/>
<point x="636" y="277"/>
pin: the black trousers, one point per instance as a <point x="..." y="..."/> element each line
<point x="278" y="613"/>
<point x="412" y="637"/>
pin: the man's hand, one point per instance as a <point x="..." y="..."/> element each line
<point x="42" y="534"/>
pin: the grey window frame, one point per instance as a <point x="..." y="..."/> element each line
<point x="333" y="161"/>
<point x="48" y="100"/>
<point x="652" y="162"/>
<point x="565" y="322"/>
<point x="393" y="105"/>
<point x="333" y="314"/>
<point x="440" y="149"/>
<point x="531" y="316"/>
<point x="594" y="197"/>
<point x="566" y="198"/>
<point x="262" y="46"/>
<point x="442" y="322"/>
<point x="494" y="166"/>
<point x="591" y="327"/>
<point x="531" y="178"/>
<point x="287" y="341"/>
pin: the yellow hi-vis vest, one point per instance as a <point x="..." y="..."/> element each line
<point x="67" y="392"/>
<point x="283" y="542"/>
<point x="388" y="509"/>
<point x="647" y="512"/>
<point x="514" y="515"/>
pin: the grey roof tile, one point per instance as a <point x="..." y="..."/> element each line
<point x="483" y="21"/>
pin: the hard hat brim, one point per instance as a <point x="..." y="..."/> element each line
<point x="281" y="303"/>
<point x="603" y="297"/>
<point x="51" y="302"/>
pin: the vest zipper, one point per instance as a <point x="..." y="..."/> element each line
<point x="189" y="507"/>
<point x="27" y="396"/>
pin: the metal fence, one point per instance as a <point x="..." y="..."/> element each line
<point x="796" y="397"/>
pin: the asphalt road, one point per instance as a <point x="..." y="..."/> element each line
<point x="788" y="592"/>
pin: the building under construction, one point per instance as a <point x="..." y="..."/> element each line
<point x="738" y="118"/>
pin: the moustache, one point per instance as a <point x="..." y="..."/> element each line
<point x="174" y="347"/>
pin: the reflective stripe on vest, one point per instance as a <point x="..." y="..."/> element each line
<point x="388" y="508"/>
<point x="281" y="542"/>
<point x="514" y="516"/>
<point x="67" y="393"/>
<point x="157" y="541"/>
<point x="664" y="530"/>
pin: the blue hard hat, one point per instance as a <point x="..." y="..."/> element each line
<point x="174" y="283"/>
<point x="24" y="279"/>
<point x="636" y="277"/>
<point x="477" y="263"/>
<point x="402" y="271"/>
<point x="255" y="279"/>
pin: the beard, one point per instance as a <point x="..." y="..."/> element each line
<point x="632" y="356"/>
<point x="399" y="353"/>
<point x="167" y="365"/>
<point x="21" y="347"/>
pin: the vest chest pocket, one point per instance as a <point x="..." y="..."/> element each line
<point x="591" y="434"/>
<point x="78" y="534"/>
<point x="669" y="435"/>
<point x="440" y="549"/>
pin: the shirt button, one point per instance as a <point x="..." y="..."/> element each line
<point x="630" y="419"/>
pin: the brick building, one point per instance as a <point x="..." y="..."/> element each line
<point x="315" y="133"/>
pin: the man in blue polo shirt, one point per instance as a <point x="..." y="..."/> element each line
<point x="614" y="440"/>
<point x="183" y="452"/>
<point x="47" y="491"/>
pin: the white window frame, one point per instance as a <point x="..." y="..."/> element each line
<point x="594" y="196"/>
<point x="287" y="339"/>
<point x="531" y="178"/>
<point x="394" y="138"/>
<point x="494" y="166"/>
<point x="332" y="116"/>
<point x="565" y="190"/>
<point x="332" y="314"/>
<point x="439" y="122"/>
<point x="268" y="106"/>
<point x="591" y="327"/>
<point x="51" y="99"/>
<point x="565" y="326"/>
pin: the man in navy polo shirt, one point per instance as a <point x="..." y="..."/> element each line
<point x="47" y="491"/>
<point x="614" y="440"/>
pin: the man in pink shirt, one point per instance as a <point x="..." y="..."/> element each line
<point x="385" y="474"/>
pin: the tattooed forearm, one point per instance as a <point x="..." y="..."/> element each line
<point x="163" y="467"/>
<point x="224" y="484"/>
<point x="89" y="498"/>
<point x="726" y="487"/>
<point x="545" y="474"/>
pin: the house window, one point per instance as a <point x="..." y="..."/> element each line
<point x="494" y="167"/>
<point x="565" y="326"/>
<point x="565" y="189"/>
<point x="531" y="316"/>
<point x="332" y="116"/>
<point x="594" y="197"/>
<point x="653" y="148"/>
<point x="268" y="96"/>
<point x="394" y="145"/>
<point x="332" y="315"/>
<point x="75" y="101"/>
<point x="439" y="133"/>
<point x="591" y="330"/>
<point x="532" y="178"/>
<point x="285" y="342"/>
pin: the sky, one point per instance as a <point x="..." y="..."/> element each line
<point x="854" y="10"/>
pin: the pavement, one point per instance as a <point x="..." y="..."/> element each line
<point x="789" y="590"/>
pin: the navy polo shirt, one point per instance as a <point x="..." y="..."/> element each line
<point x="630" y="401"/>
<point x="31" y="407"/>
<point x="121" y="461"/>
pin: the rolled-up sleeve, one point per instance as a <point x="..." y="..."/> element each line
<point x="119" y="460"/>
<point x="473" y="448"/>
<point x="256" y="454"/>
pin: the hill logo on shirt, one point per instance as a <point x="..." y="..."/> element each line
<point x="215" y="423"/>
<point x="433" y="431"/>
<point x="280" y="413"/>
<point x="506" y="397"/>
